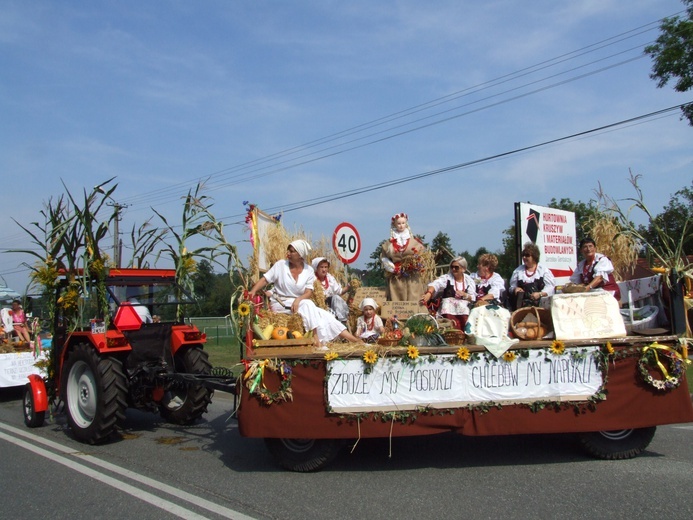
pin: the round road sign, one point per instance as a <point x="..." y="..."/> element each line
<point x="346" y="242"/>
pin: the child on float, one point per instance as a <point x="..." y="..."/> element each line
<point x="369" y="325"/>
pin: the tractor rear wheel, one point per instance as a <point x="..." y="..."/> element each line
<point x="186" y="402"/>
<point x="95" y="394"/>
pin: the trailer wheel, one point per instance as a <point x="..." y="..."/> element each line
<point x="617" y="444"/>
<point x="303" y="455"/>
<point x="32" y="418"/>
<point x="186" y="402"/>
<point x="95" y="394"/>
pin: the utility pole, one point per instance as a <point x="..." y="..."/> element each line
<point x="117" y="243"/>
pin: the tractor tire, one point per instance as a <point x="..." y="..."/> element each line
<point x="32" y="418"/>
<point x="185" y="403"/>
<point x="303" y="455"/>
<point x="617" y="444"/>
<point x="95" y="394"/>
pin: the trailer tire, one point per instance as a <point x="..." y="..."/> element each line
<point x="32" y="418"/>
<point x="186" y="402"/>
<point x="303" y="455"/>
<point x="95" y="394"/>
<point x="617" y="444"/>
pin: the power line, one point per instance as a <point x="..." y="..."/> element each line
<point x="163" y="194"/>
<point x="386" y="184"/>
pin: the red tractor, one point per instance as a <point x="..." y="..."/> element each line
<point x="144" y="358"/>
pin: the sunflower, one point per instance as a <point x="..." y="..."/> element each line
<point x="557" y="347"/>
<point x="370" y="357"/>
<point x="509" y="356"/>
<point x="244" y="309"/>
<point x="609" y="348"/>
<point x="463" y="353"/>
<point x="331" y="355"/>
<point x="412" y="352"/>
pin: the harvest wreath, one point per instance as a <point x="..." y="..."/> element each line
<point x="255" y="380"/>
<point x="652" y="357"/>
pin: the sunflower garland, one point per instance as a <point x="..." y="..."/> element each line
<point x="370" y="357"/>
<point x="557" y="347"/>
<point x="509" y="356"/>
<point x="463" y="354"/>
<point x="412" y="352"/>
<point x="331" y="355"/>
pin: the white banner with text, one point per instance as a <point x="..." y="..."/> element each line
<point x="442" y="381"/>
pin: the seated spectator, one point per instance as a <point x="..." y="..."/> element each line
<point x="19" y="323"/>
<point x="457" y="291"/>
<point x="530" y="281"/>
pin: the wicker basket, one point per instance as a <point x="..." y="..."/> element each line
<point x="531" y="323"/>
<point x="454" y="337"/>
<point x="387" y="342"/>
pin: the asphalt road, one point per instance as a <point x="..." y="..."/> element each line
<point x="160" y="471"/>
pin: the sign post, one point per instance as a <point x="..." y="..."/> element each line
<point x="346" y="242"/>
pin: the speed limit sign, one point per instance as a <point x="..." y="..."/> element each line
<point x="346" y="242"/>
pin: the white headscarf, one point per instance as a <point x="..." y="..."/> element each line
<point x="316" y="262"/>
<point x="368" y="302"/>
<point x="302" y="247"/>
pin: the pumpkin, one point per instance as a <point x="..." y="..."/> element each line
<point x="280" y="333"/>
<point x="296" y="334"/>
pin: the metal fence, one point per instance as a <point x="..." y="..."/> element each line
<point x="216" y="327"/>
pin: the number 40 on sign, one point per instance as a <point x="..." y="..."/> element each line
<point x="346" y="242"/>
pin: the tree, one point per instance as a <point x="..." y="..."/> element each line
<point x="674" y="221"/>
<point x="672" y="55"/>
<point x="375" y="277"/>
<point x="443" y="253"/>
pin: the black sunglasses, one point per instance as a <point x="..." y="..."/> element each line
<point x="455" y="267"/>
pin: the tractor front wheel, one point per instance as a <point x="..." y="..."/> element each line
<point x="95" y="394"/>
<point x="32" y="418"/>
<point x="185" y="402"/>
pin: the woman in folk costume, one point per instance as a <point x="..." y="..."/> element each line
<point x="595" y="270"/>
<point x="456" y="290"/>
<point x="531" y="281"/>
<point x="331" y="288"/>
<point x="293" y="282"/>
<point x="401" y="260"/>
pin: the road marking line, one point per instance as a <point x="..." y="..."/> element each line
<point x="154" y="484"/>
<point x="110" y="481"/>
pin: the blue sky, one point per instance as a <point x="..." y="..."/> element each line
<point x="282" y="102"/>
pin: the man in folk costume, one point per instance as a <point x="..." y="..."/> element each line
<point x="401" y="260"/>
